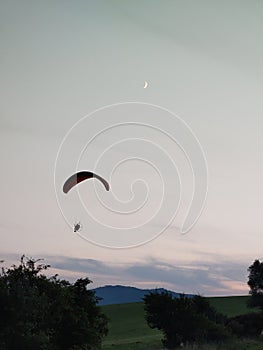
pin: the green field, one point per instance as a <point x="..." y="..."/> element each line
<point x="127" y="327"/>
<point x="129" y="331"/>
<point x="231" y="306"/>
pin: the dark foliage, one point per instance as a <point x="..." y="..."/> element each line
<point x="41" y="313"/>
<point x="255" y="282"/>
<point x="249" y="325"/>
<point x="184" y="320"/>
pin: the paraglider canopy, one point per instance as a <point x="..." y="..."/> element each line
<point x="80" y="176"/>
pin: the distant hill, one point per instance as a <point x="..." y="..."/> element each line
<point x="124" y="294"/>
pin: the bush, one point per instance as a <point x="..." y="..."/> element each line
<point x="249" y="325"/>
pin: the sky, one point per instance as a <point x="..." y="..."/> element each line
<point x="72" y="98"/>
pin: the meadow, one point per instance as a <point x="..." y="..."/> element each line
<point x="128" y="329"/>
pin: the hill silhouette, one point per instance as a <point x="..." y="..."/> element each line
<point x="125" y="294"/>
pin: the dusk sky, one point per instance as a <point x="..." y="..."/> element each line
<point x="69" y="72"/>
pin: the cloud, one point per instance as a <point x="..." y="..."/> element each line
<point x="198" y="277"/>
<point x="203" y="277"/>
<point x="75" y="264"/>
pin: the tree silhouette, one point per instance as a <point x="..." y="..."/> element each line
<point x="38" y="312"/>
<point x="183" y="319"/>
<point x="255" y="282"/>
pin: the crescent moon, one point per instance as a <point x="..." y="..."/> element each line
<point x="145" y="84"/>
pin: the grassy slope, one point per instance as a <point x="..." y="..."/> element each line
<point x="231" y="306"/>
<point x="128" y="329"/>
<point x="127" y="325"/>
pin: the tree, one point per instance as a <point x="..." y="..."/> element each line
<point x="44" y="313"/>
<point x="255" y="282"/>
<point x="183" y="319"/>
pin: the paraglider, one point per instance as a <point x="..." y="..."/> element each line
<point x="78" y="177"/>
<point x="77" y="227"/>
